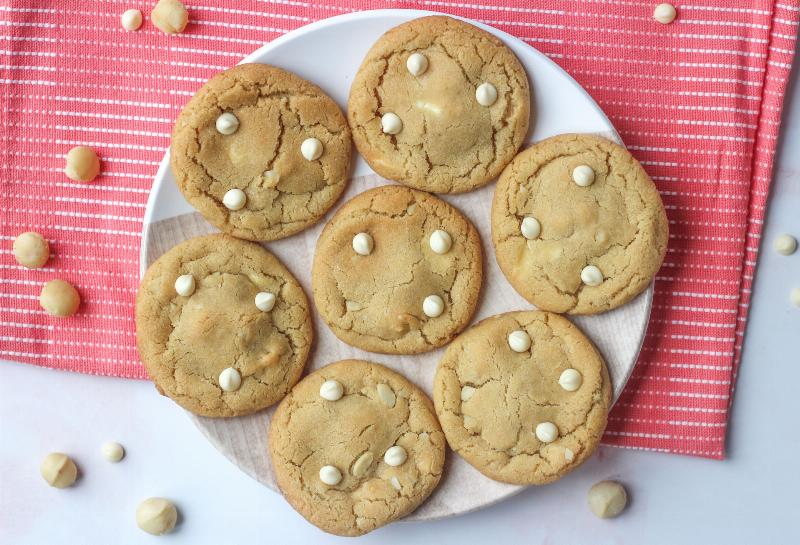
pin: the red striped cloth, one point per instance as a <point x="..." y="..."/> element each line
<point x="698" y="102"/>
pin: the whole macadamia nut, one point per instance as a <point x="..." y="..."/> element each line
<point x="83" y="165"/>
<point x="59" y="470"/>
<point x="607" y="499"/>
<point x="59" y="298"/>
<point x="170" y="16"/>
<point x="31" y="250"/>
<point x="156" y="516"/>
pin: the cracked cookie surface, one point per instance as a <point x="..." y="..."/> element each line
<point x="276" y="111"/>
<point x="449" y="143"/>
<point x="375" y="302"/>
<point x="185" y="342"/>
<point x="490" y="399"/>
<point x="617" y="224"/>
<point x="379" y="409"/>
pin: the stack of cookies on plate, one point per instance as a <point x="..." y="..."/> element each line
<point x="439" y="106"/>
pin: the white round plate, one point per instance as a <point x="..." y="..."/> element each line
<point x="328" y="53"/>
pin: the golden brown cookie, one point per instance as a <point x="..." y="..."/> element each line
<point x="397" y="271"/>
<point x="523" y="397"/>
<point x="260" y="152"/>
<point x="577" y="224"/>
<point x="439" y="105"/>
<point x="355" y="446"/>
<point x="222" y="327"/>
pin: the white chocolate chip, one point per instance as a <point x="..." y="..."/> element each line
<point x="591" y="276"/>
<point x="58" y="470"/>
<point x="330" y="475"/>
<point x="353" y="306"/>
<point x="170" y="16"/>
<point x="227" y="123"/>
<point x="570" y="379"/>
<point x="395" y="456"/>
<point x="417" y="64"/>
<point x="31" y="250"/>
<point x="440" y="241"/>
<point x="311" y="148"/>
<point x="583" y="175"/>
<point x="569" y="455"/>
<point x="433" y="306"/>
<point x="156" y="516"/>
<point x="59" y="298"/>
<point x="665" y="13"/>
<point x="794" y="297"/>
<point x="112" y="451"/>
<point x="395" y="483"/>
<point x="234" y="199"/>
<point x="386" y="395"/>
<point x="361" y="465"/>
<point x="131" y="20"/>
<point x="546" y="432"/>
<point x="486" y="94"/>
<point x="530" y="228"/>
<point x="607" y="499"/>
<point x="184" y="285"/>
<point x="785" y="244"/>
<point x="331" y="390"/>
<point x="363" y="244"/>
<point x="230" y="380"/>
<point x="519" y="341"/>
<point x="265" y="301"/>
<point x="467" y="392"/>
<point x="83" y="164"/>
<point x="391" y="123"/>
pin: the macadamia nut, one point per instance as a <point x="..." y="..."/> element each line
<point x="59" y="298"/>
<point x="607" y="499"/>
<point x="83" y="165"/>
<point x="170" y="16"/>
<point x="131" y="20"/>
<point x="58" y="470"/>
<point x="156" y="516"/>
<point x="31" y="250"/>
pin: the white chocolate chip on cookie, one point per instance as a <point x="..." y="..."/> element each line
<point x="519" y="341"/>
<point x="440" y="241"/>
<point x="417" y="64"/>
<point x="230" y="380"/>
<point x="546" y="432"/>
<point x="363" y="244"/>
<point x="583" y="175"/>
<point x="265" y="301"/>
<point x="570" y="379"/>
<point x="785" y="244"/>
<point x="330" y="475"/>
<point x="311" y="148"/>
<point x="234" y="199"/>
<point x="331" y="390"/>
<point x="131" y="20"/>
<point x="467" y="392"/>
<point x="530" y="228"/>
<point x="391" y="123"/>
<point x="395" y="456"/>
<point x="486" y="94"/>
<point x="591" y="276"/>
<point x="185" y="285"/>
<point x="227" y="123"/>
<point x="433" y="306"/>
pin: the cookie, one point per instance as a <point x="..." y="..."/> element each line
<point x="222" y="326"/>
<point x="523" y="397"/>
<point x="355" y="446"/>
<point x="260" y="152"/>
<point x="577" y="224"/>
<point x="439" y="105"/>
<point x="397" y="271"/>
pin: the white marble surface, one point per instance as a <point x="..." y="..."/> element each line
<point x="749" y="498"/>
